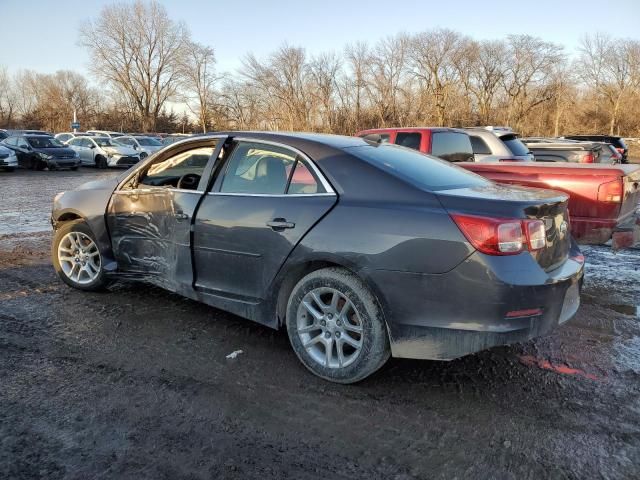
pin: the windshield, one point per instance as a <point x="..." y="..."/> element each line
<point x="149" y="142"/>
<point x="515" y="145"/>
<point x="103" y="141"/>
<point x="43" y="141"/>
<point x="423" y="171"/>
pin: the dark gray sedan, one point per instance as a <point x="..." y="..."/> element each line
<point x="361" y="250"/>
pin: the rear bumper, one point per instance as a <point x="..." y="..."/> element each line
<point x="590" y="231"/>
<point x="627" y="234"/>
<point x="445" y="316"/>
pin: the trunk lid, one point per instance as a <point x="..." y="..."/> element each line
<point x="506" y="201"/>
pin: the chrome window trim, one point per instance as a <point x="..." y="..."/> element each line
<point x="283" y="195"/>
<point x="325" y="184"/>
<point x="133" y="191"/>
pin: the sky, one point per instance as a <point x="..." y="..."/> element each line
<point x="235" y="28"/>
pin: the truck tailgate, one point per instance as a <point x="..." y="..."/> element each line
<point x="595" y="209"/>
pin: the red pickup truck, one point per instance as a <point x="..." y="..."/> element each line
<point x="603" y="199"/>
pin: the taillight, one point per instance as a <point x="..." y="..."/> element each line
<point x="620" y="150"/>
<point x="501" y="236"/>
<point x="588" y="158"/>
<point x="611" y="192"/>
<point x="536" y="234"/>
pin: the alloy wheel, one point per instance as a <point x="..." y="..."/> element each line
<point x="329" y="327"/>
<point x="79" y="258"/>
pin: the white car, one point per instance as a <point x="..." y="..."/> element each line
<point x="105" y="133"/>
<point x="8" y="159"/>
<point x="64" y="137"/>
<point x="145" y="145"/>
<point x="103" y="152"/>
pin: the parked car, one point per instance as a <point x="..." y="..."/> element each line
<point x="609" y="155"/>
<point x="103" y="152"/>
<point x="602" y="198"/>
<point x="105" y="133"/>
<point x="8" y="159"/>
<point x="64" y="137"/>
<point x="362" y="250"/>
<point x="144" y="145"/>
<point x="3" y="134"/>
<point x="617" y="142"/>
<point x="38" y="152"/>
<point x="169" y="139"/>
<point x="491" y="144"/>
<point x="449" y="144"/>
<point x="561" y="150"/>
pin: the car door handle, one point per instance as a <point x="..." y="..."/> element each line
<point x="279" y="224"/>
<point x="180" y="215"/>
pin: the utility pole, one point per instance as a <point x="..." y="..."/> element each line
<point x="75" y="121"/>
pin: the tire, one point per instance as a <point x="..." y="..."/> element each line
<point x="73" y="169"/>
<point x="94" y="277"/>
<point x="9" y="169"/>
<point x="359" y="311"/>
<point x="101" y="162"/>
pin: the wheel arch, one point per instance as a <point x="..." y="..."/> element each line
<point x="295" y="271"/>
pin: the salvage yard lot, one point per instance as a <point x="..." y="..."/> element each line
<point x="135" y="383"/>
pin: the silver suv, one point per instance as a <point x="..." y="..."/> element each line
<point x="498" y="144"/>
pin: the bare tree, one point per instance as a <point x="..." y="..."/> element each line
<point x="136" y="48"/>
<point x="530" y="67"/>
<point x="612" y="67"/>
<point x="198" y="70"/>
<point x="434" y="56"/>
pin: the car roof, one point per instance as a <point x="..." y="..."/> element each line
<point x="319" y="139"/>
<point x="400" y="129"/>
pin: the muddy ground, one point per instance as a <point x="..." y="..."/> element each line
<point x="134" y="383"/>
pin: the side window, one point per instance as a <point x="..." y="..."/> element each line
<point x="256" y="168"/>
<point x="167" y="172"/>
<point x="479" y="146"/>
<point x="303" y="180"/>
<point x="452" y="146"/>
<point x="409" y="139"/>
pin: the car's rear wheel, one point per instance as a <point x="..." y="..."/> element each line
<point x="336" y="327"/>
<point x="77" y="258"/>
<point x="101" y="162"/>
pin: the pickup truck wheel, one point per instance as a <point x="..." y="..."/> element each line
<point x="336" y="327"/>
<point x="76" y="257"/>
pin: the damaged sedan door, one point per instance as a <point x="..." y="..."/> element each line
<point x="150" y="214"/>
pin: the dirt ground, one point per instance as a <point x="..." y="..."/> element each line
<point x="134" y="384"/>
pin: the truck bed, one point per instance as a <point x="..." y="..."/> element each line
<point x="594" y="219"/>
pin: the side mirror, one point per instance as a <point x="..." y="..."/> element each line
<point x="92" y="146"/>
<point x="25" y="146"/>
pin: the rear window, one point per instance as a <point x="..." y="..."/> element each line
<point x="479" y="146"/>
<point x="423" y="171"/>
<point x="409" y="139"/>
<point x="515" y="145"/>
<point x="452" y="146"/>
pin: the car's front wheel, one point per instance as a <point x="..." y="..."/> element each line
<point x="101" y="162"/>
<point x="336" y="327"/>
<point x="77" y="258"/>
